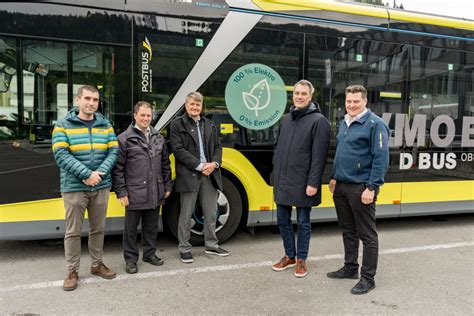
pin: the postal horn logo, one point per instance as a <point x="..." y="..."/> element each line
<point x="255" y="96"/>
<point x="147" y="46"/>
<point x="146" y="71"/>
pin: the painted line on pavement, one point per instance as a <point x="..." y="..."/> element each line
<point x="240" y="266"/>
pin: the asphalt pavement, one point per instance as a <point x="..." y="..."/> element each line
<point x="426" y="266"/>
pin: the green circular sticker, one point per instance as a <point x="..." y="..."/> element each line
<point x="255" y="96"/>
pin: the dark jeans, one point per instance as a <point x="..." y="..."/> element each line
<point x="287" y="233"/>
<point x="357" y="221"/>
<point x="149" y="219"/>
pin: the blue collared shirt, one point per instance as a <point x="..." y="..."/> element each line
<point x="202" y="156"/>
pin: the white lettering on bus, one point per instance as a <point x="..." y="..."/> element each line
<point x="405" y="134"/>
<point x="146" y="72"/>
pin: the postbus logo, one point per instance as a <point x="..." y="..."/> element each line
<point x="146" y="71"/>
<point x="255" y="96"/>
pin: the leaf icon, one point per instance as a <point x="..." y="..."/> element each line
<point x="258" y="98"/>
<point x="251" y="102"/>
<point x="261" y="90"/>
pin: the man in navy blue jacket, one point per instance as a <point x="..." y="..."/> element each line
<point x="298" y="164"/>
<point x="360" y="164"/>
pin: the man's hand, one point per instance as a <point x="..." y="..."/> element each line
<point x="124" y="201"/>
<point x="167" y="193"/>
<point x="311" y="191"/>
<point x="208" y="168"/>
<point x="94" y="179"/>
<point x="332" y="185"/>
<point x="367" y="196"/>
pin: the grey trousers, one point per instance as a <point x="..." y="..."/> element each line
<point x="76" y="204"/>
<point x="207" y="195"/>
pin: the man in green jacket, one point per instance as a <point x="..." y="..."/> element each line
<point x="85" y="149"/>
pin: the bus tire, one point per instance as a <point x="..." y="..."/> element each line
<point x="229" y="214"/>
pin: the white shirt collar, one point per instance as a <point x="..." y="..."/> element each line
<point x="349" y="120"/>
<point x="147" y="130"/>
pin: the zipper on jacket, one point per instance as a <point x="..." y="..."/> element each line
<point x="288" y="152"/>
<point x="92" y="148"/>
<point x="336" y="158"/>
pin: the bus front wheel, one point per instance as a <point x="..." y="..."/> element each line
<point x="228" y="213"/>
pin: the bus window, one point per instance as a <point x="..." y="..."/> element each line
<point x="437" y="89"/>
<point x="282" y="52"/>
<point x="172" y="58"/>
<point x="46" y="68"/>
<point x="8" y="89"/>
<point x="105" y="67"/>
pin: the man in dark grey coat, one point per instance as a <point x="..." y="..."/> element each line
<point x="198" y="153"/>
<point x="298" y="165"/>
<point x="142" y="181"/>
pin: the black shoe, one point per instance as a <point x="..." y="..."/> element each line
<point x="364" y="286"/>
<point x="186" y="257"/>
<point x="343" y="273"/>
<point x="131" y="268"/>
<point x="217" y="251"/>
<point x="154" y="260"/>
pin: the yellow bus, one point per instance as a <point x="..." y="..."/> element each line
<point x="418" y="69"/>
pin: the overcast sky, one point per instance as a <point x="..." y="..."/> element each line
<point x="455" y="8"/>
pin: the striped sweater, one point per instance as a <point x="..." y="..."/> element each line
<point x="79" y="150"/>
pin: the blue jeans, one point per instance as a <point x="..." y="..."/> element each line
<point x="287" y="233"/>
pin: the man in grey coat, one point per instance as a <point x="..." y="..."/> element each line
<point x="198" y="153"/>
<point x="142" y="181"/>
<point x="298" y="165"/>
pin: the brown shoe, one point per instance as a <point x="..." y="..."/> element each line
<point x="284" y="264"/>
<point x="70" y="282"/>
<point x="102" y="271"/>
<point x="301" y="269"/>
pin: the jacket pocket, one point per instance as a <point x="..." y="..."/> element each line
<point x="137" y="194"/>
